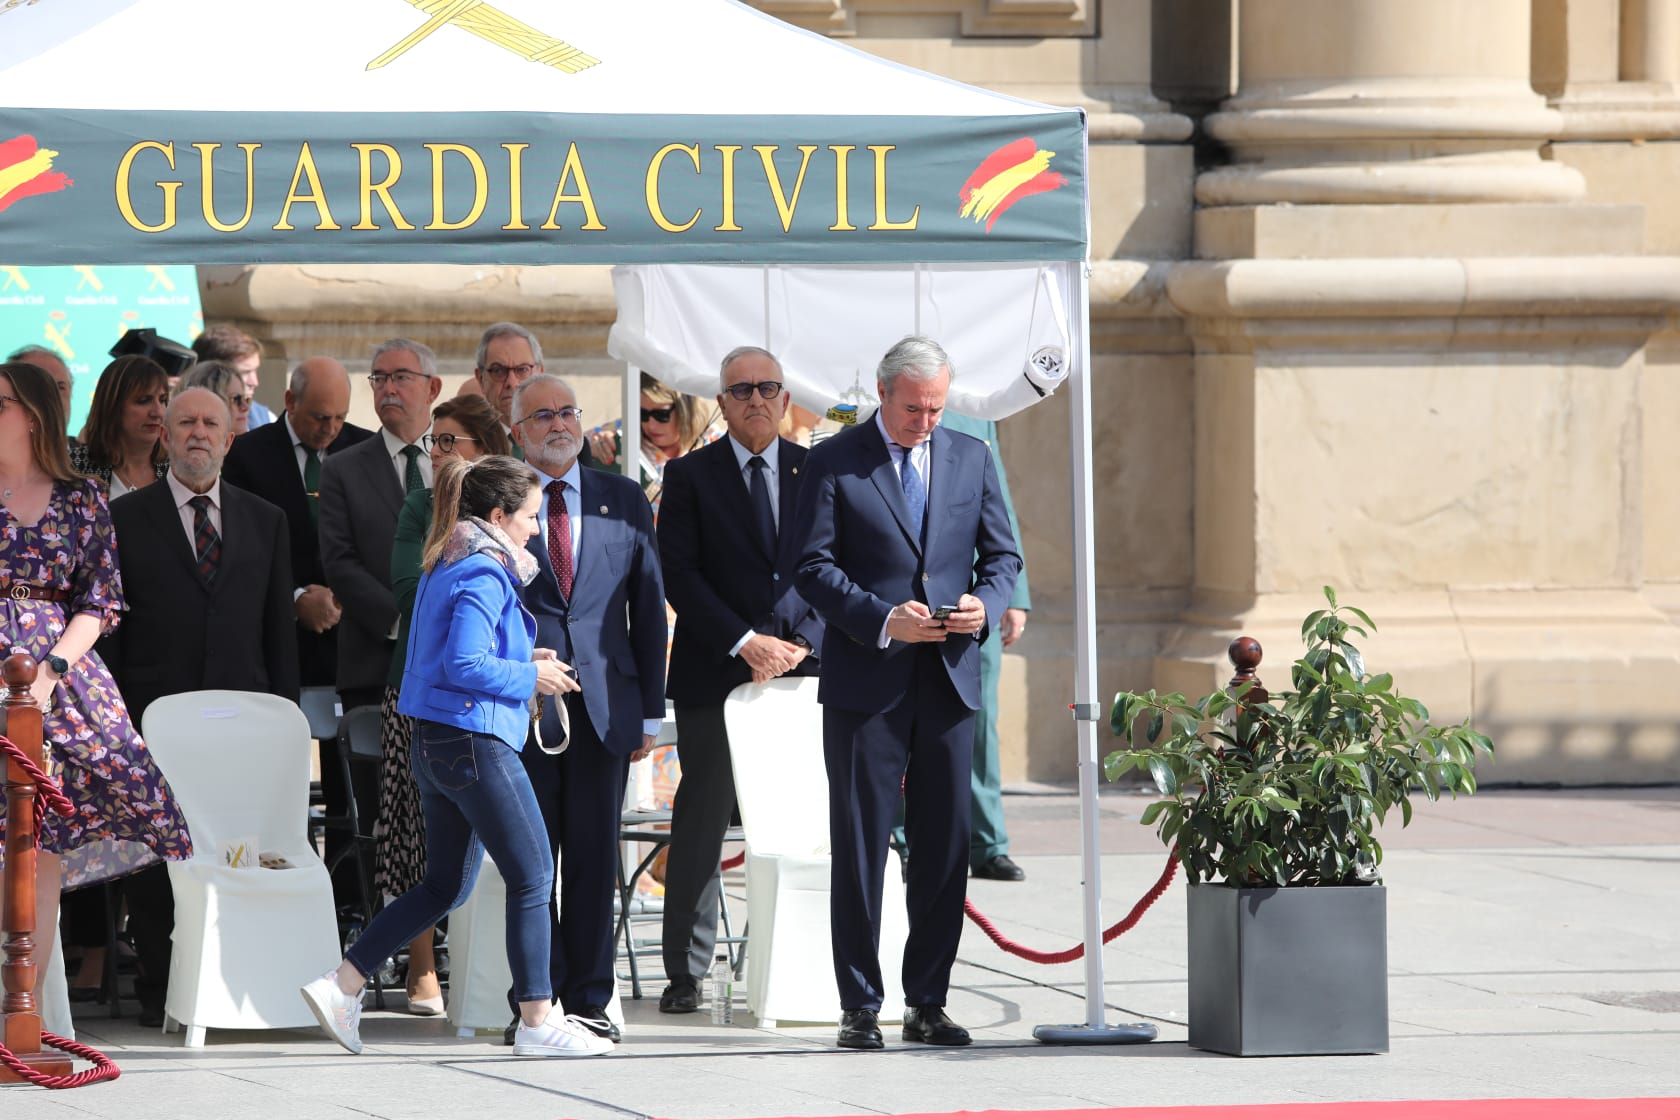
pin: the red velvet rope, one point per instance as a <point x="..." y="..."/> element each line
<point x="1039" y="956"/>
<point x="49" y="796"/>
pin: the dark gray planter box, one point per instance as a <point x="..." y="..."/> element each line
<point x="1290" y="970"/>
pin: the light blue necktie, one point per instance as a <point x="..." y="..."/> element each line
<point x="915" y="491"/>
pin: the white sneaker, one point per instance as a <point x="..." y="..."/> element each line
<point x="559" y="1036"/>
<point x="339" y="1015"/>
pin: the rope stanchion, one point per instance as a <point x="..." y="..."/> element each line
<point x="733" y="862"/>
<point x="1039" y="956"/>
<point x="49" y="796"/>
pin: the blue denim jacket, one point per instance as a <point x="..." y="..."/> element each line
<point x="469" y="651"/>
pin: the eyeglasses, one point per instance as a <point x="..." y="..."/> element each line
<point x="402" y="378"/>
<point x="444" y="443"/>
<point x="499" y="372"/>
<point x="546" y="416"/>
<point x="743" y="391"/>
<point x="239" y="402"/>
<point x="658" y="415"/>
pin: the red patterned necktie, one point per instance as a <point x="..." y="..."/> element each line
<point x="560" y="537"/>
<point x="207" y="543"/>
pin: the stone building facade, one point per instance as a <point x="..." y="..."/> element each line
<point x="1386" y="295"/>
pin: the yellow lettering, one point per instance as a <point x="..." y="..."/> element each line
<point x="573" y="170"/>
<point x="784" y="206"/>
<point x="654" y="209"/>
<point x="728" y="224"/>
<point x="125" y="195"/>
<point x="516" y="186"/>
<point x="881" y="222"/>
<point x="842" y="204"/>
<point x="369" y="188"/>
<point x="316" y="197"/>
<point x="481" y="186"/>
<point x="207" y="190"/>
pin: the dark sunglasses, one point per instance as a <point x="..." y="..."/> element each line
<point x="658" y="415"/>
<point x="769" y="390"/>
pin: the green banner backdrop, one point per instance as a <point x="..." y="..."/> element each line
<point x="119" y="187"/>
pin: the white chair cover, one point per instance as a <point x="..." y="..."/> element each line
<point x="781" y="786"/>
<point x="245" y="938"/>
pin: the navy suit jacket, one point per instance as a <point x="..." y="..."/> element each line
<point x="181" y="634"/>
<point x="262" y="462"/>
<point x="718" y="576"/>
<point x="612" y="631"/>
<point x="861" y="558"/>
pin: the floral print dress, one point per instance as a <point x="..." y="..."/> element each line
<point x="125" y="815"/>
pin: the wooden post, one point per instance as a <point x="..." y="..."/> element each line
<point x="22" y="1019"/>
<point x="1245" y="654"/>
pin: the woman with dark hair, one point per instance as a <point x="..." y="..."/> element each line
<point x="122" y="439"/>
<point x="472" y="672"/>
<point x="60" y="589"/>
<point x="463" y="428"/>
<point x="223" y="380"/>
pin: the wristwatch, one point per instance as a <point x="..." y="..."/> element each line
<point x="801" y="641"/>
<point x="58" y="665"/>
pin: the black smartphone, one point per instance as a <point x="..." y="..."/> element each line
<point x="942" y="613"/>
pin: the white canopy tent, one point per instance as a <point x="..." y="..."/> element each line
<point x="754" y="182"/>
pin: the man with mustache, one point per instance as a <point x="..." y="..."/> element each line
<point x="362" y="491"/>
<point x="206" y="570"/>
<point x="599" y="603"/>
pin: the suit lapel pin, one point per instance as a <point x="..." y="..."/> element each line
<point x="795" y="470"/>
<point x="603" y="509"/>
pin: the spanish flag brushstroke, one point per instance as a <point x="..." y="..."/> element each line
<point x="1005" y="177"/>
<point x="26" y="169"/>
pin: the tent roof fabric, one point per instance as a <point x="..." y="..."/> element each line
<point x="708" y="57"/>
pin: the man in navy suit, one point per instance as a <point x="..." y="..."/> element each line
<point x="909" y="558"/>
<point x="600" y="605"/>
<point x="727" y="549"/>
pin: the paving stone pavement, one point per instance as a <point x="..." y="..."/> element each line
<point x="1534" y="951"/>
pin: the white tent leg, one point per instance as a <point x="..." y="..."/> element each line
<point x="1087" y="710"/>
<point x="630" y="434"/>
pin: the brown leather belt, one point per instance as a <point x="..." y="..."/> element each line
<point x="22" y="591"/>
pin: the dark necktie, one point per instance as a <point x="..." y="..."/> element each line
<point x="412" y="478"/>
<point x="312" y="481"/>
<point x="763" y="518"/>
<point x="560" y="538"/>
<point x="915" y="491"/>
<point x="207" y="543"/>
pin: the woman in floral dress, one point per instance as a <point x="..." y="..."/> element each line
<point x="59" y="591"/>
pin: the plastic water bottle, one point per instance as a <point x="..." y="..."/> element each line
<point x="723" y="991"/>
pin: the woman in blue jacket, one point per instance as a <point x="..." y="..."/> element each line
<point x="469" y="682"/>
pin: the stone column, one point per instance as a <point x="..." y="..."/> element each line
<point x="1420" y="377"/>
<point x="1350" y="101"/>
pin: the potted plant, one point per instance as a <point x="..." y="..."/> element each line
<point x="1272" y="802"/>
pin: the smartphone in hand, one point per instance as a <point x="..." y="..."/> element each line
<point x="944" y="612"/>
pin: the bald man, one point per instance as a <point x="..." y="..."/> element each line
<point x="282" y="464"/>
<point x="208" y="581"/>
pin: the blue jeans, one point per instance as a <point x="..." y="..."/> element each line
<point x="475" y="795"/>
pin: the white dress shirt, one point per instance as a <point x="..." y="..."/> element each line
<point x="301" y="453"/>
<point x="922" y="457"/>
<point x="772" y="478"/>
<point x="399" y="462"/>
<point x="179" y="492"/>
<point x="573" y="478"/>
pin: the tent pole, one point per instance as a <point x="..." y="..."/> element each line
<point x="1086" y="708"/>
<point x="630" y="435"/>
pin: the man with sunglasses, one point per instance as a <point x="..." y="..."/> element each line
<point x="728" y="551"/>
<point x="909" y="557"/>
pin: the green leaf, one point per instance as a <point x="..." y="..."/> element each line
<point x="1154" y="810"/>
<point x="1153" y="732"/>
<point x="1363" y="617"/>
<point x="1165" y="780"/>
<point x="1330" y="594"/>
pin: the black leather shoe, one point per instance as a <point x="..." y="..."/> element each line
<point x="679" y="998"/>
<point x="931" y="1025"/>
<point x="598" y="1023"/>
<point x="1001" y="868"/>
<point x="151" y="1017"/>
<point x="860" y="1030"/>
<point x="508" y="1031"/>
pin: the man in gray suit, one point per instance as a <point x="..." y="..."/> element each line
<point x="362" y="490"/>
